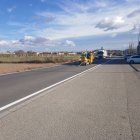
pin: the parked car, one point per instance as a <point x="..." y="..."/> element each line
<point x="133" y="59"/>
<point x="126" y="56"/>
<point x="138" y="54"/>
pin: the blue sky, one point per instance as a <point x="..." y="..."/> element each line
<point x="68" y="25"/>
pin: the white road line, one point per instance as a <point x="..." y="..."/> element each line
<point x="33" y="94"/>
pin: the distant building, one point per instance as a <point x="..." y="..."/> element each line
<point x="49" y="53"/>
<point x="36" y="52"/>
<point x="95" y="52"/>
<point x="79" y="53"/>
<point x="54" y="53"/>
<point x="7" y="53"/>
<point x="119" y="52"/>
<point x="72" y="53"/>
<point x="114" y="52"/>
<point x="60" y="53"/>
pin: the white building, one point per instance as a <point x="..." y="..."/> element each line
<point x="72" y="53"/>
<point x="60" y="53"/>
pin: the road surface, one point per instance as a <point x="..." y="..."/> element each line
<point x="102" y="104"/>
<point x="18" y="85"/>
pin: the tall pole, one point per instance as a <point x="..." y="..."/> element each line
<point x="138" y="48"/>
<point x="139" y="34"/>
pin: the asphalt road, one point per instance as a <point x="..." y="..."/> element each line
<point x="18" y="85"/>
<point x="102" y="104"/>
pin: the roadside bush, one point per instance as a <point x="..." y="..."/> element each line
<point x="56" y="60"/>
<point x="48" y="59"/>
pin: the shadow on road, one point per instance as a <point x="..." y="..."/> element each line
<point x="112" y="61"/>
<point x="116" y="60"/>
<point x="73" y="64"/>
<point x="134" y="68"/>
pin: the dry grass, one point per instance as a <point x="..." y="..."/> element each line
<point x="10" y="65"/>
<point x="48" y="59"/>
<point x="18" y="67"/>
<point x="10" y="68"/>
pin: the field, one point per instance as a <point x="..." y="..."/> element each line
<point x="53" y="59"/>
<point x="10" y="65"/>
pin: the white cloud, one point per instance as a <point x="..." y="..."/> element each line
<point x="34" y="18"/>
<point x="3" y="43"/>
<point x="134" y="13"/>
<point x="101" y="3"/>
<point x="132" y="0"/>
<point x="135" y="32"/>
<point x="70" y="32"/>
<point x="43" y="0"/>
<point x="11" y="9"/>
<point x="99" y="10"/>
<point x="125" y="46"/>
<point x="111" y="24"/>
<point x="46" y="20"/>
<point x="29" y="41"/>
<point x="12" y="16"/>
<point x="19" y="24"/>
<point x="2" y="38"/>
<point x="78" y="18"/>
<point x="74" y="6"/>
<point x="67" y="42"/>
<point x="136" y="27"/>
<point x="30" y="4"/>
<point x="113" y="35"/>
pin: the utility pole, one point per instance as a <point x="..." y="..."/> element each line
<point x="139" y="31"/>
<point x="138" y="48"/>
<point x="139" y="34"/>
<point x="132" y="46"/>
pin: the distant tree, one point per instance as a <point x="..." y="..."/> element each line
<point x="130" y="48"/>
<point x="16" y="52"/>
<point x="8" y="52"/>
<point x="66" y="53"/>
<point x="30" y="52"/>
<point x="19" y="52"/>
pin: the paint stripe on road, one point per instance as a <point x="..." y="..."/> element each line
<point x="33" y="94"/>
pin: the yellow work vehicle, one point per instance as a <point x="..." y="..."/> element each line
<point x="86" y="59"/>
